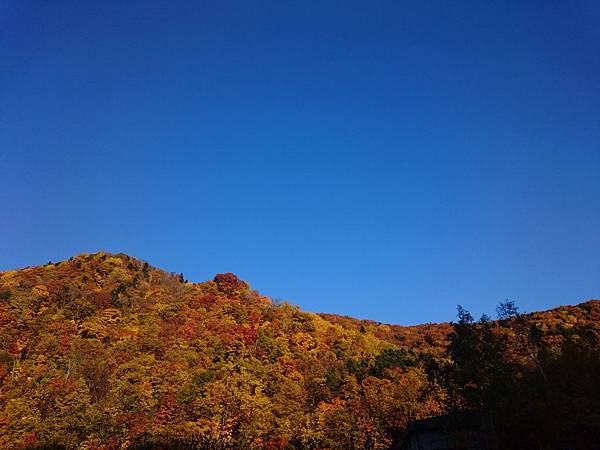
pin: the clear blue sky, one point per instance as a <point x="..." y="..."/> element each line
<point x="386" y="160"/>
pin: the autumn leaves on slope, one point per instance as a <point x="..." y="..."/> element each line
<point x="105" y="352"/>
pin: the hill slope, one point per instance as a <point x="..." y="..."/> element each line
<point x="104" y="351"/>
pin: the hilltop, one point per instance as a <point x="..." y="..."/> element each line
<point x="104" y="351"/>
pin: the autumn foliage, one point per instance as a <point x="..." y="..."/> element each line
<point x="106" y="352"/>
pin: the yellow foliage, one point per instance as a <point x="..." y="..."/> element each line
<point x="40" y="291"/>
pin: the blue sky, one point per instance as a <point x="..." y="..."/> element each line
<point x="386" y="160"/>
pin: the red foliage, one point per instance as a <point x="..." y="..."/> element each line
<point x="229" y="283"/>
<point x="28" y="441"/>
<point x="100" y="298"/>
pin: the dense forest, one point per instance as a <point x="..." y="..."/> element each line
<point x="104" y="351"/>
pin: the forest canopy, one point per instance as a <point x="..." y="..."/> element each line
<point x="104" y="351"/>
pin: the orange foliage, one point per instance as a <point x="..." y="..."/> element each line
<point x="104" y="351"/>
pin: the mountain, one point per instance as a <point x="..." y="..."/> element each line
<point x="104" y="351"/>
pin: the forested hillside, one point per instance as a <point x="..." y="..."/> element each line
<point x="106" y="352"/>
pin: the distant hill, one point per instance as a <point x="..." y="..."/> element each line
<point x="104" y="351"/>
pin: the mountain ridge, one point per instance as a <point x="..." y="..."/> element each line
<point x="331" y="315"/>
<point x="104" y="351"/>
